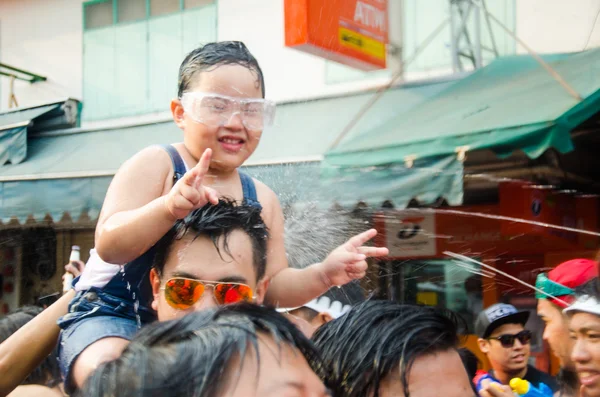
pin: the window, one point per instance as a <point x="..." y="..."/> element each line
<point x="441" y="283"/>
<point x="162" y="7"/>
<point x="98" y="14"/>
<point x="131" y="10"/>
<point x="131" y="68"/>
<point x="196" y="3"/>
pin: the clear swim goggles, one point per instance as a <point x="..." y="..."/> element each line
<point x="217" y="110"/>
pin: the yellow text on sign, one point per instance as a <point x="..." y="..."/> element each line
<point x="362" y="43"/>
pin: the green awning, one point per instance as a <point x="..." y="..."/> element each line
<point x="69" y="171"/>
<point x="512" y="104"/>
<point x="13" y="132"/>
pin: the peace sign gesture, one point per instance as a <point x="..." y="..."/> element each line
<point x="348" y="261"/>
<point x="189" y="193"/>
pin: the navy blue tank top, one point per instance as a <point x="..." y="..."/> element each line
<point x="133" y="283"/>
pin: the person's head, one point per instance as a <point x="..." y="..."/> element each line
<point x="560" y="283"/>
<point x="503" y="338"/>
<point x="382" y="348"/>
<point x="216" y="255"/>
<point x="329" y="306"/>
<point x="47" y="373"/>
<point x="235" y="350"/>
<point x="220" y="103"/>
<point x="584" y="329"/>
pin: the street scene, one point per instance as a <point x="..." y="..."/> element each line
<point x="300" y="198"/>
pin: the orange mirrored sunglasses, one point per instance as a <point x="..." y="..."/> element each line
<point x="182" y="293"/>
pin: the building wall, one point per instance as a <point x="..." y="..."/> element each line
<point x="549" y="26"/>
<point x="47" y="37"/>
<point x="43" y="37"/>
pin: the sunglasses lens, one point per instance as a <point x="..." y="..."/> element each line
<point x="507" y="340"/>
<point x="524" y="337"/>
<point x="226" y="293"/>
<point x="182" y="293"/>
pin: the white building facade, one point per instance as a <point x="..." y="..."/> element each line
<point x="120" y="57"/>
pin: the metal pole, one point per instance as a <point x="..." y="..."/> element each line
<point x="477" y="39"/>
<point x="454" y="38"/>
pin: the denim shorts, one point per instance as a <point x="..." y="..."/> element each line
<point x="94" y="315"/>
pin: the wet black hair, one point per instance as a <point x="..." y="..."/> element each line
<point x="193" y="355"/>
<point x="375" y="338"/>
<point x="568" y="382"/>
<point x="591" y="288"/>
<point x="212" y="55"/>
<point x="217" y="222"/>
<point x="471" y="363"/>
<point x="48" y="372"/>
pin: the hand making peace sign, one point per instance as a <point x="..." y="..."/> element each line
<point x="348" y="261"/>
<point x="189" y="193"/>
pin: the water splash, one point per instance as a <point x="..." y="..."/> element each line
<point x="471" y="260"/>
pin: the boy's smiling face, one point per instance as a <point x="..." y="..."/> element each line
<point x="231" y="143"/>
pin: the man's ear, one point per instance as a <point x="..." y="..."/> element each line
<point x="261" y="290"/>
<point x="483" y="345"/>
<point x="323" y="318"/>
<point x="177" y="112"/>
<point x="155" y="282"/>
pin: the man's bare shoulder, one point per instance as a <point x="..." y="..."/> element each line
<point x="269" y="201"/>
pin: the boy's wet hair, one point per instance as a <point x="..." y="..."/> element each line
<point x="375" y="338"/>
<point x="217" y="222"/>
<point x="196" y="355"/>
<point x="47" y="373"/>
<point x="212" y="55"/>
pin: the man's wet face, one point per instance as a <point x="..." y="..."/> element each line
<point x="281" y="371"/>
<point x="510" y="359"/>
<point x="432" y="375"/>
<point x="585" y="333"/>
<point x="199" y="259"/>
<point x="556" y="332"/>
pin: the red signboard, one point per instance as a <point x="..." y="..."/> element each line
<point x="352" y="32"/>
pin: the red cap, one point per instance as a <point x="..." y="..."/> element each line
<point x="573" y="274"/>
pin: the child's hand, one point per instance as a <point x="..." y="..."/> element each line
<point x="494" y="389"/>
<point x="348" y="261"/>
<point x="189" y="193"/>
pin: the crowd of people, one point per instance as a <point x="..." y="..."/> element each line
<point x="188" y="292"/>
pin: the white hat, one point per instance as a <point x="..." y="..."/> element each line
<point x="322" y="305"/>
<point x="586" y="304"/>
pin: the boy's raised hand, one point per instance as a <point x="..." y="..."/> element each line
<point x="348" y="261"/>
<point x="189" y="193"/>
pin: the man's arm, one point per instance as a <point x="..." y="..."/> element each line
<point x="27" y="348"/>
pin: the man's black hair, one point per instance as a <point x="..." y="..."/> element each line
<point x="47" y="373"/>
<point x="193" y="355"/>
<point x="217" y="222"/>
<point x="591" y="288"/>
<point x="375" y="338"/>
<point x="213" y="55"/>
<point x="568" y="382"/>
<point x="471" y="363"/>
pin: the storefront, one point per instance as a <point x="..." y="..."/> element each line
<point x="454" y="257"/>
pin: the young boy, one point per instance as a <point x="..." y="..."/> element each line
<point x="222" y="112"/>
